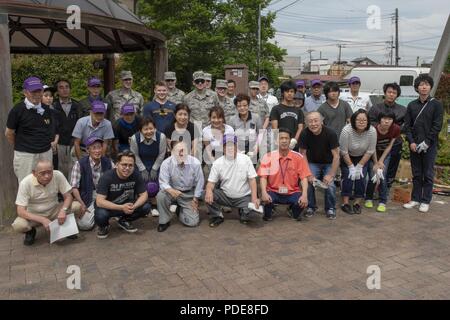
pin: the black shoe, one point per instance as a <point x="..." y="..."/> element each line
<point x="103" y="232"/>
<point x="126" y="225"/>
<point x="356" y="209"/>
<point x="29" y="237"/>
<point x="331" y="214"/>
<point x="214" y="222"/>
<point x="163" y="226"/>
<point x="73" y="237"/>
<point x="267" y="218"/>
<point x="347" y="208"/>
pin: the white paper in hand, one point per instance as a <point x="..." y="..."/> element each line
<point x="58" y="231"/>
<point x="251" y="206"/>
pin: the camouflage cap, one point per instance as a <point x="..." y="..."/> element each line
<point x="169" y="75"/>
<point x="253" y="84"/>
<point x="220" y="83"/>
<point x="126" y="75"/>
<point x="208" y="76"/>
<point x="198" y="75"/>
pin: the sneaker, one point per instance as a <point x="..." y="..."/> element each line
<point x="173" y="208"/>
<point x="381" y="207"/>
<point x="368" y="204"/>
<point x="356" y="209"/>
<point x="126" y="225"/>
<point x="214" y="222"/>
<point x="310" y="212"/>
<point x="155" y="213"/>
<point x="411" y="204"/>
<point x="424" y="207"/>
<point x="347" y="208"/>
<point x="331" y="214"/>
<point x="30" y="236"/>
<point x="103" y="232"/>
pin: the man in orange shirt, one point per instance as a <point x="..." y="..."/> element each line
<point x="280" y="172"/>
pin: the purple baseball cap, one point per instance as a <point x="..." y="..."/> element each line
<point x="33" y="84"/>
<point x="300" y="83"/>
<point x="229" y="138"/>
<point x="353" y="80"/>
<point x="98" y="107"/>
<point x="315" y="81"/>
<point x="94" y="82"/>
<point x="127" y="108"/>
<point x="90" y="140"/>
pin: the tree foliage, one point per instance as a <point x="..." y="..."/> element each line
<point x="208" y="34"/>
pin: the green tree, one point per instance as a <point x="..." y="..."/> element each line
<point x="208" y="34"/>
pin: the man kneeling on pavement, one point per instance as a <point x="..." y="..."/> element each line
<point x="237" y="188"/>
<point x="121" y="193"/>
<point x="37" y="200"/>
<point x="181" y="181"/>
<point x="279" y="173"/>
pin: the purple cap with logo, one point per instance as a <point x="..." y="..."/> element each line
<point x="94" y="81"/>
<point x="127" y="108"/>
<point x="33" y="84"/>
<point x="315" y="81"/>
<point x="353" y="80"/>
<point x="90" y="140"/>
<point x="300" y="83"/>
<point x="229" y="138"/>
<point x="152" y="189"/>
<point x="98" y="107"/>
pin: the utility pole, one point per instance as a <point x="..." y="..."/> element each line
<point x="339" y="56"/>
<point x="392" y="49"/>
<point x="259" y="41"/>
<point x="397" y="58"/>
<point x="310" y="57"/>
<point x="417" y="62"/>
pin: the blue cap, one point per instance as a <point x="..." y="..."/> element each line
<point x="353" y="80"/>
<point x="90" y="140"/>
<point x="315" y="81"/>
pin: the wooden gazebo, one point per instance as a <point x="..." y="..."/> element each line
<point x="40" y="27"/>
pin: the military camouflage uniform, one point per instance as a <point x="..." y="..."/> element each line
<point x="228" y="107"/>
<point x="176" y="96"/>
<point x="116" y="99"/>
<point x="200" y="105"/>
<point x="259" y="106"/>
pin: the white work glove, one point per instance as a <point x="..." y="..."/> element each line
<point x="378" y="176"/>
<point x="359" y="172"/>
<point x="422" y="147"/>
<point x="351" y="172"/>
<point x="250" y="154"/>
<point x="293" y="143"/>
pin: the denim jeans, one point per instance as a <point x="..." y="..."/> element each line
<point x="347" y="184"/>
<point x="395" y="157"/>
<point x="422" y="165"/>
<point x="383" y="185"/>
<point x="291" y="199"/>
<point x="102" y="215"/>
<point x="319" y="171"/>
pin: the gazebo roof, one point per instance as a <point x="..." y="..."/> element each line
<point x="39" y="26"/>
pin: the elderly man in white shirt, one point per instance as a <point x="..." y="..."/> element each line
<point x="354" y="98"/>
<point x="237" y="184"/>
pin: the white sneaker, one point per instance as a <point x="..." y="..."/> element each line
<point x="411" y="204"/>
<point x="173" y="208"/>
<point x="155" y="213"/>
<point x="424" y="207"/>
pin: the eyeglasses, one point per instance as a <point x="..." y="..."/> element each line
<point x="127" y="79"/>
<point x="198" y="81"/>
<point x="170" y="80"/>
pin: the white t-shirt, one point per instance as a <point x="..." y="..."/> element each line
<point x="215" y="136"/>
<point x="233" y="175"/>
<point x="361" y="102"/>
<point x="39" y="199"/>
<point x="271" y="100"/>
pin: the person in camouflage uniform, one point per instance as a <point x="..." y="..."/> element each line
<point x="225" y="102"/>
<point x="174" y="94"/>
<point x="199" y="100"/>
<point x="208" y="82"/>
<point x="125" y="95"/>
<point x="258" y="105"/>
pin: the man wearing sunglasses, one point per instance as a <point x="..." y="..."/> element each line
<point x="125" y="95"/>
<point x="174" y="94"/>
<point x="200" y="100"/>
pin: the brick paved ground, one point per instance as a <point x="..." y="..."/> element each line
<point x="283" y="259"/>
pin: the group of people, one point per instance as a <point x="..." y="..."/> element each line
<point x="246" y="151"/>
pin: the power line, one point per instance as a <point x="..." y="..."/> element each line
<point x="287" y="6"/>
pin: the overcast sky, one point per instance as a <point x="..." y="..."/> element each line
<point x="329" y="21"/>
